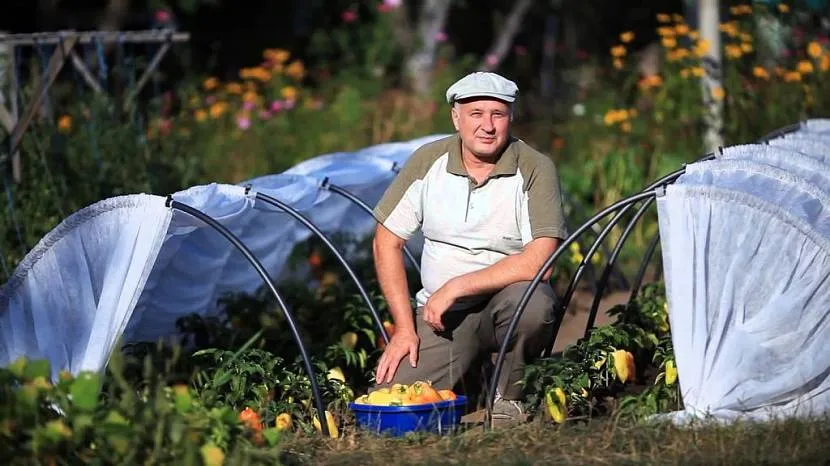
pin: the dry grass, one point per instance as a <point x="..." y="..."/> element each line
<point x="594" y="442"/>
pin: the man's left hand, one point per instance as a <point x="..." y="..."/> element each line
<point x="437" y="305"/>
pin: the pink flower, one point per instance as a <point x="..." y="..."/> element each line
<point x="288" y="104"/>
<point x="384" y="8"/>
<point x="248" y="105"/>
<point x="264" y="114"/>
<point x="162" y="16"/>
<point x="243" y="123"/>
<point x="392" y="3"/>
<point x="492" y="60"/>
<point x="349" y="16"/>
<point x="441" y="36"/>
<point x="276" y="106"/>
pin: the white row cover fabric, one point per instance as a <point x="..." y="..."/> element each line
<point x="129" y="267"/>
<point x="72" y="295"/>
<point x="746" y="257"/>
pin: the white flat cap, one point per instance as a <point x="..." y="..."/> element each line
<point x="483" y="84"/>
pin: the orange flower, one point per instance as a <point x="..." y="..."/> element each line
<point x="295" y="70"/>
<point x="792" y="76"/>
<point x="805" y="67"/>
<point x="65" y="124"/>
<point x="626" y="37"/>
<point x="210" y="84"/>
<point x="814" y="49"/>
<point x="760" y="72"/>
<point x="783" y="8"/>
<point x="618" y="51"/>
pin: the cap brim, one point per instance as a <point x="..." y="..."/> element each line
<point x="504" y="97"/>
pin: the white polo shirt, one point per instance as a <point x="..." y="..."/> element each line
<point x="469" y="226"/>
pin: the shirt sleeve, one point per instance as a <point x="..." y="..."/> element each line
<point x="400" y="209"/>
<point x="542" y="211"/>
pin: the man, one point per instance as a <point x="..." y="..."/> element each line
<point x="490" y="210"/>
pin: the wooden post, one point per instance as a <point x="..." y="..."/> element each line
<point x="142" y="81"/>
<point x="56" y="62"/>
<point x="8" y="87"/>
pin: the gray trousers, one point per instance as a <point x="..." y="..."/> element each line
<point x="446" y="358"/>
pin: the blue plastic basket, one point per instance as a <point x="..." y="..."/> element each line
<point x="441" y="417"/>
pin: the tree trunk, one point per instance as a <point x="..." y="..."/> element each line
<point x="501" y="46"/>
<point x="712" y="80"/>
<point x="431" y="21"/>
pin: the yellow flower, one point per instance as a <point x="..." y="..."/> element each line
<point x="684" y="73"/>
<point x="697" y="71"/>
<point x="618" y="51"/>
<point x="746" y="37"/>
<point x="718" y="93"/>
<point x="234" y="88"/>
<point x="733" y="51"/>
<point x="663" y="17"/>
<point x="627" y="37"/>
<point x="783" y="8"/>
<point x="677" y="18"/>
<point x="666" y="31"/>
<point x="825" y="63"/>
<point x="289" y="93"/>
<point x="730" y="28"/>
<point x="694" y="35"/>
<point x="792" y="76"/>
<point x="218" y="109"/>
<point x="618" y="63"/>
<point x="200" y="115"/>
<point x="65" y="124"/>
<point x="295" y="70"/>
<point x="814" y="49"/>
<point x="210" y="84"/>
<point x="760" y="72"/>
<point x="681" y="29"/>
<point x="740" y="10"/>
<point x="277" y="56"/>
<point x="647" y="82"/>
<point x="805" y="67"/>
<point x="702" y="47"/>
<point x="626" y="128"/>
<point x="746" y="47"/>
<point x="669" y="42"/>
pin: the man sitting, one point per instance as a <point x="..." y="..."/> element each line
<point x="490" y="210"/>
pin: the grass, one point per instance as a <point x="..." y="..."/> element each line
<point x="593" y="442"/>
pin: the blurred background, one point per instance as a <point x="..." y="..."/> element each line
<point x="617" y="92"/>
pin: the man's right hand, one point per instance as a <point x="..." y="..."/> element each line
<point x="402" y="343"/>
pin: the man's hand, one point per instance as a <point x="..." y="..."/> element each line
<point x="437" y="305"/>
<point x="402" y="343"/>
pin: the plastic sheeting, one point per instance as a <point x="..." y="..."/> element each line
<point x="129" y="267"/>
<point x="746" y="256"/>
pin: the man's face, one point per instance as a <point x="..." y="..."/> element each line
<point x="483" y="125"/>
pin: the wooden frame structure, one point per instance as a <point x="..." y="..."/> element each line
<point x="16" y="124"/>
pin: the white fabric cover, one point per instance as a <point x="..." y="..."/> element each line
<point x="746" y="256"/>
<point x="71" y="296"/>
<point x="815" y="170"/>
<point x="130" y="267"/>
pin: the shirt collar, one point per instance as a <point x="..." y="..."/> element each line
<point x="507" y="164"/>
